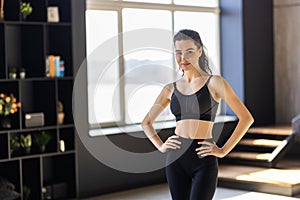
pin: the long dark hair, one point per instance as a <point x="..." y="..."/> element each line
<point x="187" y="34"/>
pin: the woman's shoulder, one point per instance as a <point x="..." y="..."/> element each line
<point x="216" y="85"/>
<point x="169" y="87"/>
<point x="219" y="85"/>
<point x="173" y="84"/>
<point x="215" y="80"/>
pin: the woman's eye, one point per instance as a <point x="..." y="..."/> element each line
<point x="190" y="52"/>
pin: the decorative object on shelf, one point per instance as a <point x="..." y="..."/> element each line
<point x="62" y="68"/>
<point x="1" y="14"/>
<point x="54" y="66"/>
<point x="42" y="139"/>
<point x="6" y="122"/>
<point x="2" y="10"/>
<point x="55" y="191"/>
<point x="26" y="192"/>
<point x="13" y="73"/>
<point x="26" y="143"/>
<point x="8" y="106"/>
<point x="34" y="119"/>
<point x="62" y="146"/>
<point x="22" y="73"/>
<point x="53" y="14"/>
<point x="14" y="144"/>
<point x="25" y="9"/>
<point x="8" y="190"/>
<point x="61" y="114"/>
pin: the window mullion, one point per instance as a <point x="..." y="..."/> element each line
<point x="121" y="67"/>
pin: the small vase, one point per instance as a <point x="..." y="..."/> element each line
<point x="5" y="122"/>
<point x="42" y="148"/>
<point x="13" y="75"/>
<point x="1" y="14"/>
<point x="60" y="118"/>
<point x="27" y="150"/>
<point x="24" y="17"/>
<point x="22" y="75"/>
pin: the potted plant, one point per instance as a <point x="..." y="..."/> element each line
<point x="8" y="106"/>
<point x="22" y="73"/>
<point x="60" y="115"/>
<point x="14" y="144"/>
<point x="26" y="143"/>
<point x="42" y="139"/>
<point x="25" y="9"/>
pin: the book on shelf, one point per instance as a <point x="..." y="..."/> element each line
<point x="53" y="66"/>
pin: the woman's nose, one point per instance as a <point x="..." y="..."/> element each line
<point x="183" y="56"/>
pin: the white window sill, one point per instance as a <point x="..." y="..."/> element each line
<point x="157" y="125"/>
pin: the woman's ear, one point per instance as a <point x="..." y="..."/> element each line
<point x="200" y="51"/>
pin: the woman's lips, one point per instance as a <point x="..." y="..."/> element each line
<point x="185" y="64"/>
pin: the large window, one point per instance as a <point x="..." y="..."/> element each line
<point x="130" y="53"/>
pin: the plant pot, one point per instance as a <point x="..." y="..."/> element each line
<point x="22" y="75"/>
<point x="60" y="118"/>
<point x="12" y="75"/>
<point x="16" y="152"/>
<point x="27" y="150"/>
<point x="42" y="148"/>
<point x="6" y="122"/>
<point x="24" y="17"/>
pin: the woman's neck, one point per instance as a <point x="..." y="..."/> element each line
<point x="192" y="75"/>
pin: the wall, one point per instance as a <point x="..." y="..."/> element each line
<point x="287" y="60"/>
<point x="259" y="60"/>
<point x="247" y="55"/>
<point x="232" y="54"/>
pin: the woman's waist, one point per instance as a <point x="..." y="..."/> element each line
<point x="194" y="129"/>
<point x="191" y="143"/>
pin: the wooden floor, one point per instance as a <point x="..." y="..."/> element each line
<point x="287" y="175"/>
<point x="161" y="192"/>
<point x="283" y="180"/>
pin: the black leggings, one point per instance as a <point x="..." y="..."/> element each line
<point x="190" y="176"/>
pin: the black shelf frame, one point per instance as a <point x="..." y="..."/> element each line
<point x="27" y="45"/>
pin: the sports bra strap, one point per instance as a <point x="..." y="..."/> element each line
<point x="174" y="84"/>
<point x="209" y="79"/>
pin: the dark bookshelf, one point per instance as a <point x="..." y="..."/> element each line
<point x="27" y="44"/>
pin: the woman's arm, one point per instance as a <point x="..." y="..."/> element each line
<point x="224" y="91"/>
<point x="243" y="114"/>
<point x="160" y="104"/>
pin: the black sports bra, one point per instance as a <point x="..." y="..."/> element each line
<point x="200" y="105"/>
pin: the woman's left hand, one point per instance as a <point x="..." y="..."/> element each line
<point x="209" y="149"/>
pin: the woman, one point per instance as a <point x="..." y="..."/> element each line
<point x="192" y="166"/>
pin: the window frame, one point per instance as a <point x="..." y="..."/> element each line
<point x="118" y="6"/>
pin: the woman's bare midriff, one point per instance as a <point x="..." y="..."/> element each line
<point x="194" y="129"/>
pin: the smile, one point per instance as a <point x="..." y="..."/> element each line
<point x="185" y="64"/>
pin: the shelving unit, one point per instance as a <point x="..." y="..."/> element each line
<point x="26" y="45"/>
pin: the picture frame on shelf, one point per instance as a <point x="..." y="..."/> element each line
<point x="52" y="14"/>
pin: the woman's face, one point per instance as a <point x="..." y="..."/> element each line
<point x="187" y="54"/>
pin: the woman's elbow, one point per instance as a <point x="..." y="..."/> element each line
<point x="146" y="122"/>
<point x="250" y="119"/>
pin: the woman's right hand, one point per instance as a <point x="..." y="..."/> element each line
<point x="170" y="143"/>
